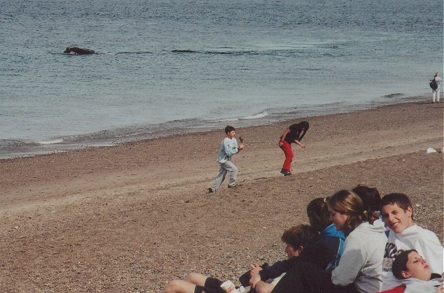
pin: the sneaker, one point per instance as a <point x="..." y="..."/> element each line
<point x="229" y="186"/>
<point x="283" y="171"/>
<point x="286" y="173"/>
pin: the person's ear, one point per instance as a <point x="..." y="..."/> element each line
<point x="409" y="211"/>
<point x="299" y="250"/>
<point x="405" y="274"/>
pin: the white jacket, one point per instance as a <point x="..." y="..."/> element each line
<point x="361" y="262"/>
<point x="414" y="237"/>
<point x="417" y="286"/>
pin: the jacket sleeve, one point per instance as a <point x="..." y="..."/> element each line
<point x="276" y="269"/>
<point x="432" y="251"/>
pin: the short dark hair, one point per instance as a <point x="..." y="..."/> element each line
<point x="300" y="235"/>
<point x="400" y="199"/>
<point x="318" y="214"/>
<point x="229" y="128"/>
<point x="400" y="263"/>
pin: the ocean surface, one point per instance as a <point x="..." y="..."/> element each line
<point x="172" y="66"/>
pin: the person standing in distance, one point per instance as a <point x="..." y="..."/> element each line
<point x="292" y="134"/>
<point x="436" y="92"/>
<point x="228" y="147"/>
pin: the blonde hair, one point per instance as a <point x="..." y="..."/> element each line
<point x="347" y="202"/>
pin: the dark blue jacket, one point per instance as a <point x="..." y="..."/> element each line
<point x="326" y="249"/>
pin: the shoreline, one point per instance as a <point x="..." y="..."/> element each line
<point x="15" y="148"/>
<point x="131" y="217"/>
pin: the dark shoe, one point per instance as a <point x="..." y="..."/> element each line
<point x="210" y="190"/>
<point x="286" y="173"/>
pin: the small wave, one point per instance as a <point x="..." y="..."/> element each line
<point x="104" y="53"/>
<point x="134" y="53"/>
<point x="184" y="51"/>
<point x="228" y="120"/>
<point x="256" y="116"/>
<point x="218" y="52"/>
<point x="16" y="143"/>
<point x="233" y="52"/>
<point x="53" y="141"/>
<point x="394" y="95"/>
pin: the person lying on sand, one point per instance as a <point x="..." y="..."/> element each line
<point x="327" y="248"/>
<point x="295" y="238"/>
<point x="414" y="272"/>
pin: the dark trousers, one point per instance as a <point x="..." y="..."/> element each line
<point x="212" y="285"/>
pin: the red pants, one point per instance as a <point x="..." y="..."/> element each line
<point x="288" y="151"/>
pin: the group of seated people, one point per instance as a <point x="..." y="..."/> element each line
<point x="356" y="242"/>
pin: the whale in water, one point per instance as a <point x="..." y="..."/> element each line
<point x="79" y="51"/>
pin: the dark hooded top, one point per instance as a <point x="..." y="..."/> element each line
<point x="297" y="132"/>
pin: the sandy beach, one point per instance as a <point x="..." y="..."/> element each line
<point x="132" y="217"/>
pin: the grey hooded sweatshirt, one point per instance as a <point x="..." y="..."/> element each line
<point x="361" y="262"/>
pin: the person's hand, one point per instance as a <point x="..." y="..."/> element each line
<point x="241" y="147"/>
<point x="255" y="269"/>
<point x="440" y="289"/>
<point x="281" y="143"/>
<point x="254" y="280"/>
<point x="299" y="144"/>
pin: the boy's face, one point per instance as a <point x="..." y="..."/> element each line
<point x="396" y="218"/>
<point x="417" y="267"/>
<point x="231" y="134"/>
<point x="291" y="252"/>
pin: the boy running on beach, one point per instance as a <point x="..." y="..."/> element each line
<point x="228" y="147"/>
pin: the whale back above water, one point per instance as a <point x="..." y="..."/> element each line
<point x="79" y="51"/>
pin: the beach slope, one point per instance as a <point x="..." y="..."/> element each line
<point x="132" y="217"/>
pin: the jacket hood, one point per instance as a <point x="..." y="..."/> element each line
<point x="373" y="228"/>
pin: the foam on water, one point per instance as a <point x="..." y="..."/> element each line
<point x="263" y="114"/>
<point x="48" y="142"/>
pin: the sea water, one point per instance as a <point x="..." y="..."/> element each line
<point x="171" y="66"/>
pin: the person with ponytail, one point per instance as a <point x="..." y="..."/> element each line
<point x="360" y="266"/>
<point x="371" y="198"/>
<point x="330" y="245"/>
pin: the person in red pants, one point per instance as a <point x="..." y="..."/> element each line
<point x="292" y="134"/>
